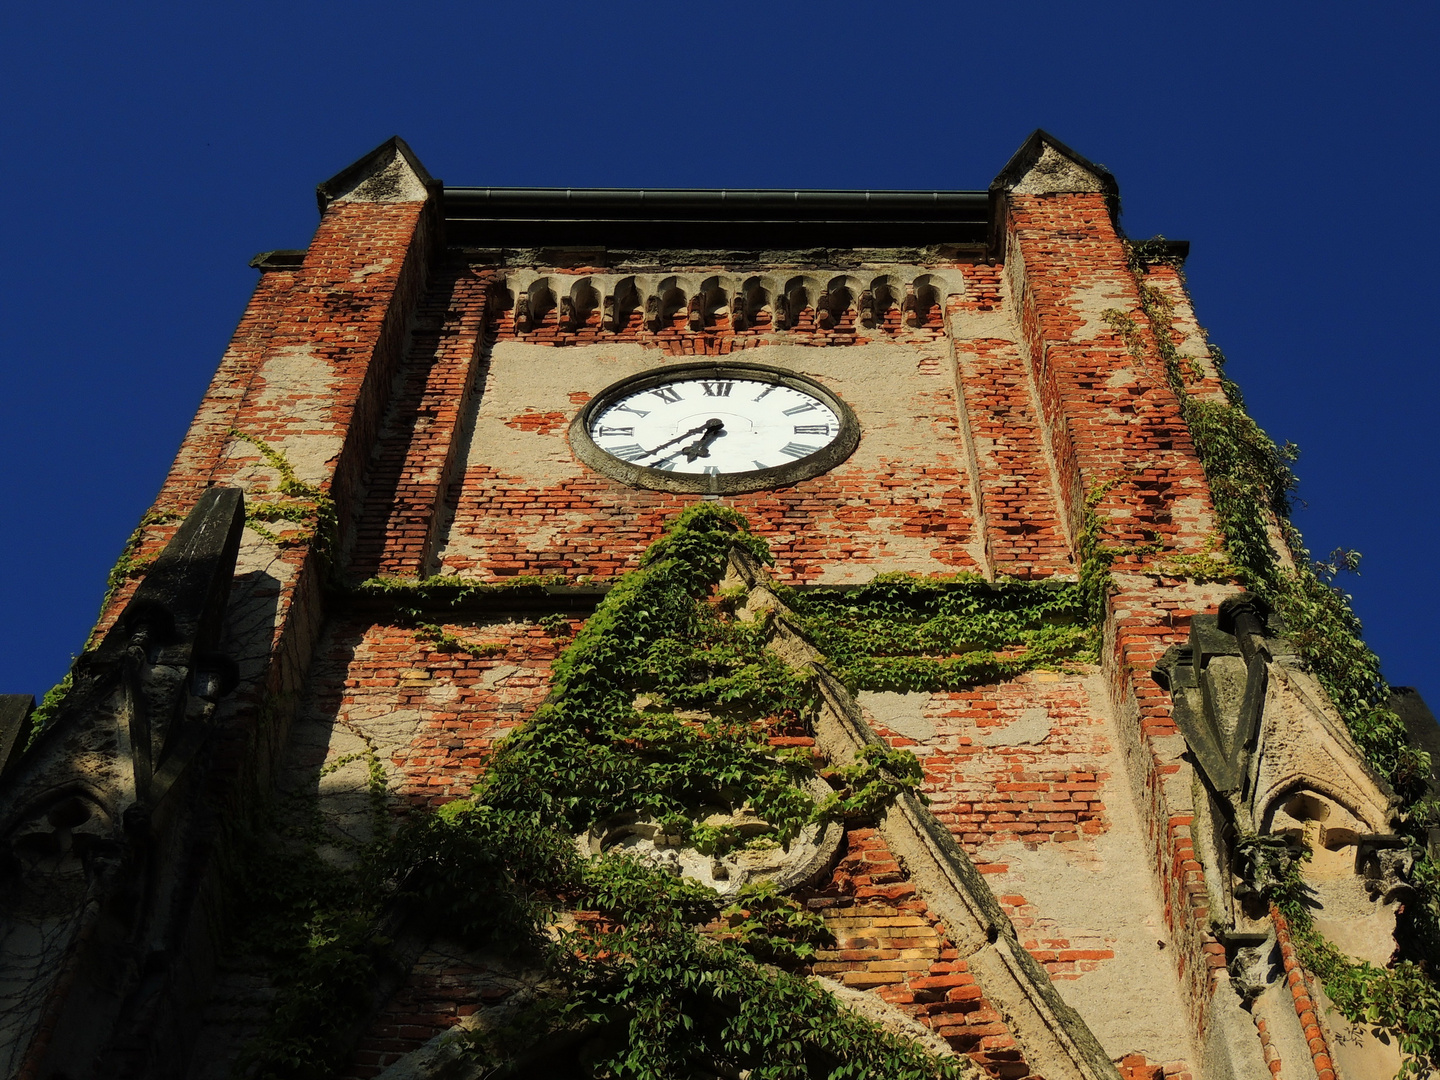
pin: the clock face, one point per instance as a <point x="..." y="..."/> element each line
<point x="721" y="428"/>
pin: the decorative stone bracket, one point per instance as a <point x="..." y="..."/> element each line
<point x="790" y="866"/>
<point x="1275" y="756"/>
<point x="1278" y="770"/>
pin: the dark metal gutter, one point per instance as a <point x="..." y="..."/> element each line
<point x="746" y="218"/>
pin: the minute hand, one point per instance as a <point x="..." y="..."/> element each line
<point x="709" y="425"/>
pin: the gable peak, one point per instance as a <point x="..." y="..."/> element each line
<point x="1045" y="166"/>
<point x="390" y="173"/>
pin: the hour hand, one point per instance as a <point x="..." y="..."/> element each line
<point x="701" y="446"/>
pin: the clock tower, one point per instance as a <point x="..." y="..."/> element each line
<point x="841" y="590"/>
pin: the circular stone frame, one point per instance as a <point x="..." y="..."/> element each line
<point x="739" y="483"/>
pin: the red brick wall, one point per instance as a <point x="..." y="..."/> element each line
<point x="413" y="458"/>
<point x="1027" y="793"/>
<point x="1112" y="419"/>
<point x="373" y="678"/>
<point x="1024" y="528"/>
<point x="886" y="940"/>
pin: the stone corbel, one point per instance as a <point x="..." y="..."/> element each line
<point x="739" y="318"/>
<point x="1275" y="758"/>
<point x="867" y="308"/>
<point x="825" y="315"/>
<point x="910" y="307"/>
<point x="569" y="318"/>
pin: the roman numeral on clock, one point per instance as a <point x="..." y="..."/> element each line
<point x="632" y="452"/>
<point x="666" y="394"/>
<point x="797" y="450"/>
<point x="712" y="470"/>
<point x="808" y="429"/>
<point x="809" y="406"/>
<point x="717" y="389"/>
<point x="627" y="408"/>
<point x="763" y="393"/>
<point x="604" y="431"/>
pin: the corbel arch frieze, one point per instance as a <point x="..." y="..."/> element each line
<point x="706" y="299"/>
<point x="840" y="296"/>
<point x="577" y="305"/>
<point x="798" y="294"/>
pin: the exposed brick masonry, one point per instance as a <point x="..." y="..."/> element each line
<point x="887" y="941"/>
<point x="1024" y="535"/>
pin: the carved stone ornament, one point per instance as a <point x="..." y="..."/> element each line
<point x="790" y="866"/>
<point x="1260" y="727"/>
<point x="706" y="300"/>
<point x="93" y="837"/>
<point x="1278" y="777"/>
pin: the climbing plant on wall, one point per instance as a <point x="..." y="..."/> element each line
<point x="662" y="706"/>
<point x="905" y="632"/>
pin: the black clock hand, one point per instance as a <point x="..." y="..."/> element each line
<point x="678" y="438"/>
<point x="701" y="446"/>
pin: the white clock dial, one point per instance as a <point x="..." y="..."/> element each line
<point x="716" y="426"/>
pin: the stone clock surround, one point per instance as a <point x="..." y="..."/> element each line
<point x="832" y="454"/>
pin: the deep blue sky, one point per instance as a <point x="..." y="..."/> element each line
<point x="154" y="148"/>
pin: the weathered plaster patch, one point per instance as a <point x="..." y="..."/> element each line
<point x="261" y="574"/>
<point x="371" y="268"/>
<point x="1108" y="903"/>
<point x="524" y="378"/>
<point x="299" y="386"/>
<point x="1090" y="302"/>
<point x="967" y="324"/>
<point x="1031" y="727"/>
<point x="901" y="713"/>
<point x="496" y="675"/>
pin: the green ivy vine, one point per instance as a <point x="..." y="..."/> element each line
<point x="304" y="504"/>
<point x="903" y="632"/>
<point x="661" y="705"/>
